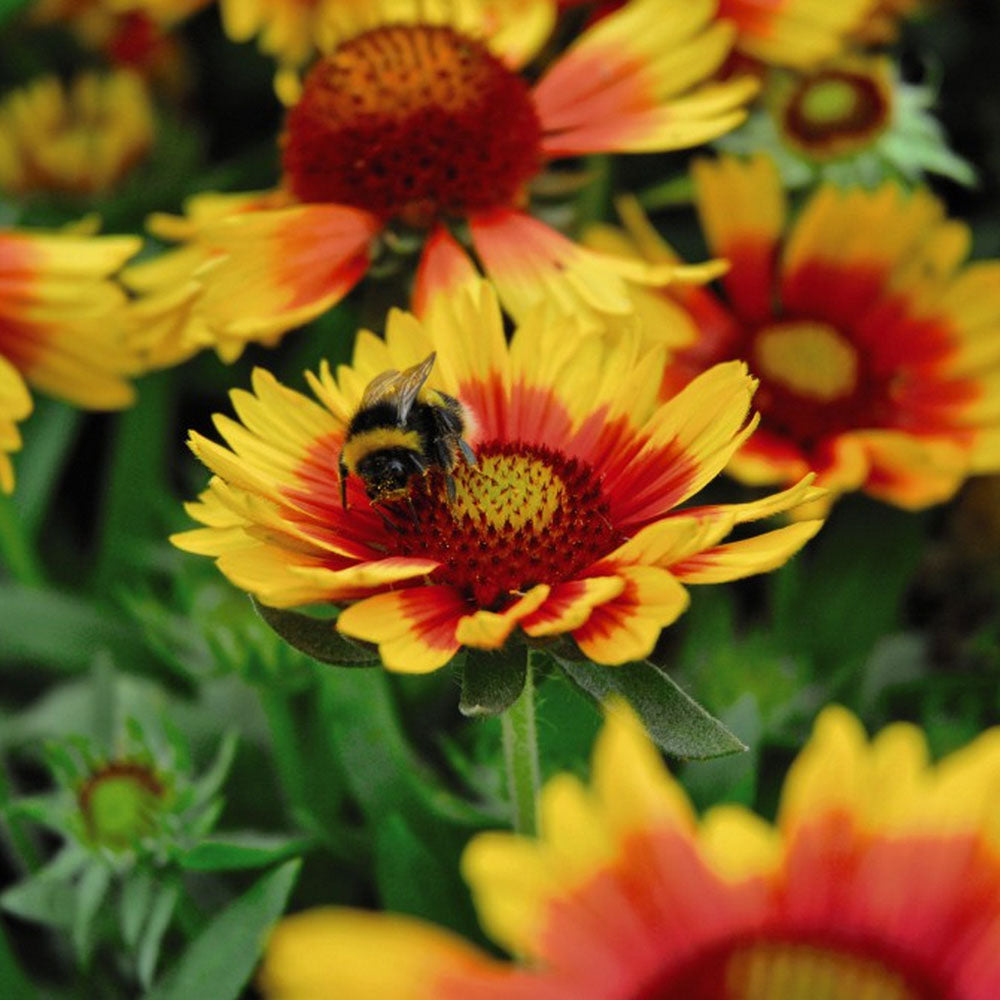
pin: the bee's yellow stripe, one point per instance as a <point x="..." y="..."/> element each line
<point x="376" y="439"/>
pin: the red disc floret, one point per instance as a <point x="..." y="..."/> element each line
<point x="522" y="516"/>
<point x="412" y="122"/>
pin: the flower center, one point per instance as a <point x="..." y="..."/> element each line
<point x="412" y="121"/>
<point x="521" y="516"/>
<point x="836" y="112"/>
<point x="119" y="803"/>
<point x="793" y="970"/>
<point x="808" y="358"/>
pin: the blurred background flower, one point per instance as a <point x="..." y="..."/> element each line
<point x="626" y="893"/>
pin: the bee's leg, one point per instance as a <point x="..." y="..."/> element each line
<point x="413" y="511"/>
<point x="342" y="469"/>
<point x="386" y="520"/>
<point x="449" y="485"/>
<point x="467" y="453"/>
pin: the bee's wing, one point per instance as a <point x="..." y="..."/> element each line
<point x="399" y="388"/>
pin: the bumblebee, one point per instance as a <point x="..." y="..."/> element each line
<point x="401" y="430"/>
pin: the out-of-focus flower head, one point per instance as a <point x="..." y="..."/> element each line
<point x="62" y="327"/>
<point x="567" y="523"/>
<point x="410" y="125"/>
<point x="127" y="816"/>
<point x="80" y="139"/>
<point x="130" y="34"/>
<point x="876" y="345"/>
<point x="879" y="879"/>
<point x="850" y="121"/>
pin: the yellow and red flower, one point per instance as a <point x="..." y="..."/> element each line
<point x="880" y="879"/>
<point x="417" y="123"/>
<point x="61" y="327"/>
<point x="568" y="523"/>
<point x="80" y="139"/>
<point x="877" y="347"/>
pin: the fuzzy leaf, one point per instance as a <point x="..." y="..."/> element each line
<point x="316" y="637"/>
<point x="491" y="682"/>
<point x="677" y="723"/>
<point x="222" y="958"/>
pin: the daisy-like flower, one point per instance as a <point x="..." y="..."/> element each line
<point x="877" y="347"/>
<point x="130" y="34"/>
<point x="567" y="523"/>
<point x="81" y="139"/>
<point x="61" y="327"/>
<point x="418" y="123"/>
<point x="880" y="880"/>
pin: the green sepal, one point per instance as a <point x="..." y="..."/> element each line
<point x="90" y="893"/>
<point x="222" y="958"/>
<point x="232" y="851"/>
<point x="161" y="912"/>
<point x="675" y="721"/>
<point x="316" y="637"/>
<point x="491" y="682"/>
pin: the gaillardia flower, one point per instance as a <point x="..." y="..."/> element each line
<point x="877" y="348"/>
<point x="61" y="327"/>
<point x="880" y="880"/>
<point x="80" y="139"/>
<point x="417" y="124"/>
<point x="567" y="523"/>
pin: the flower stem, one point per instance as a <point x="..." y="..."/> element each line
<point x="520" y="751"/>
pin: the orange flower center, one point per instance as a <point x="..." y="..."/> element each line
<point x="808" y="358"/>
<point x="410" y="122"/>
<point x="836" y="112"/>
<point x="775" y="969"/>
<point x="521" y="516"/>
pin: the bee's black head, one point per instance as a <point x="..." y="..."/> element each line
<point x="387" y="473"/>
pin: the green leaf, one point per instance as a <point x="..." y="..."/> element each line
<point x="491" y="682"/>
<point x="316" y="637"/>
<point x="222" y="958"/>
<point x="413" y="879"/>
<point x="90" y="893"/>
<point x="135" y="905"/>
<point x="8" y="8"/>
<point x="678" y="724"/>
<point x="48" y="437"/>
<point x="45" y="627"/>
<point x="243" y="850"/>
<point x="211" y="781"/>
<point x="13" y="981"/>
<point x="160" y="915"/>
<point x="47" y="896"/>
